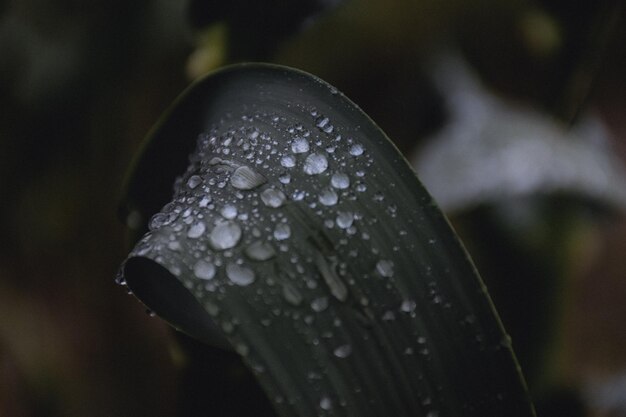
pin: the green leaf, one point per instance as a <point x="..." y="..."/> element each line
<point x="296" y="233"/>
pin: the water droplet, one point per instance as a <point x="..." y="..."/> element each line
<point x="324" y="124"/>
<point x="315" y="163"/>
<point x="204" y="201"/>
<point x="242" y="349"/>
<point x="260" y="251"/>
<point x="272" y="197"/>
<point x="344" y="219"/>
<point x="196" y="230"/>
<point x="288" y="161"/>
<point x="343" y="351"/>
<point x="328" y="197"/>
<point x="340" y="180"/>
<point x="335" y="284"/>
<point x="282" y="231"/>
<point x="356" y="150"/>
<point x="326" y="404"/>
<point x="239" y="275"/>
<point x="245" y="178"/>
<point x="385" y="268"/>
<point x="319" y="304"/>
<point x="204" y="270"/>
<point x="229" y="211"/>
<point x="300" y="145"/>
<point x="285" y="178"/>
<point x="291" y="294"/>
<point x="225" y="235"/>
<point x="194" y="181"/>
<point x="408" y="306"/>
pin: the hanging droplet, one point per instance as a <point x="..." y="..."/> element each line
<point x="196" y="230"/>
<point x="272" y="197"/>
<point x="315" y="163"/>
<point x="225" y="235"/>
<point x="260" y="251"/>
<point x="328" y="197"/>
<point x="340" y="181"/>
<point x="204" y="270"/>
<point x="245" y="178"/>
<point x="239" y="275"/>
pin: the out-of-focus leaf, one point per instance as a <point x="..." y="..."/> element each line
<point x="492" y="151"/>
<point x="256" y="27"/>
<point x="299" y="235"/>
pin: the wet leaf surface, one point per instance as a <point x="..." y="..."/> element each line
<point x="296" y="234"/>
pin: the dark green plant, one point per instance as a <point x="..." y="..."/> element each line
<point x="297" y="235"/>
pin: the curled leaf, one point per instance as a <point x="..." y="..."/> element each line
<point x="299" y="235"/>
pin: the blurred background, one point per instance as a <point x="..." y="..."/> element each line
<point x="513" y="113"/>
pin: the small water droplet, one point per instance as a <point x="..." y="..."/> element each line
<point x="225" y="235"/>
<point x="196" y="230"/>
<point x="343" y="351"/>
<point x="315" y="163"/>
<point x="300" y="145"/>
<point x="408" y="306"/>
<point x="204" y="201"/>
<point x="288" y="161"/>
<point x="319" y="304"/>
<point x="328" y="197"/>
<point x="282" y="231"/>
<point x="272" y="197"/>
<point x="229" y="211"/>
<point x="291" y="294"/>
<point x="245" y="178"/>
<point x="340" y="180"/>
<point x="194" y="181"/>
<point x="260" y="251"/>
<point x="356" y="150"/>
<point x="326" y="404"/>
<point x="204" y="270"/>
<point x="344" y="219"/>
<point x="239" y="275"/>
<point x="285" y="178"/>
<point x="385" y="268"/>
<point x="242" y="349"/>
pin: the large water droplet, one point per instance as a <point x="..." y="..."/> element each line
<point x="343" y="351"/>
<point x="340" y="180"/>
<point x="328" y="197"/>
<point x="239" y="275"/>
<point x="245" y="178"/>
<point x="282" y="231"/>
<point x="344" y="219"/>
<point x="316" y="163"/>
<point x="204" y="270"/>
<point x="300" y="145"/>
<point x="225" y="235"/>
<point x="260" y="251"/>
<point x="288" y="161"/>
<point x="196" y="230"/>
<point x="385" y="268"/>
<point x="272" y="197"/>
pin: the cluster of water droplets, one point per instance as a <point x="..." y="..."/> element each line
<point x="274" y="205"/>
